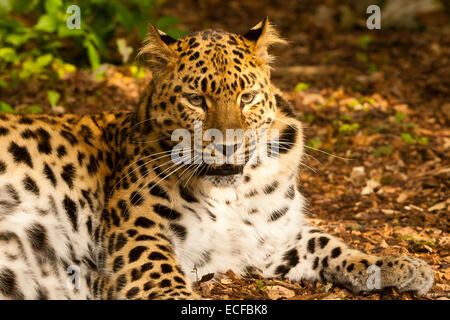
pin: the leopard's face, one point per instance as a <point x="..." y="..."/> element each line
<point x="216" y="85"/>
<point x="218" y="80"/>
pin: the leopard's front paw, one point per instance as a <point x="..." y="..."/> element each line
<point x="406" y="274"/>
<point x="370" y="273"/>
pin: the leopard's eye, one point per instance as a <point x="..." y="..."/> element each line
<point x="247" y="98"/>
<point x="195" y="100"/>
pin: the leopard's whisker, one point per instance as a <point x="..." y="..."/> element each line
<point x="144" y="164"/>
<point x="148" y="182"/>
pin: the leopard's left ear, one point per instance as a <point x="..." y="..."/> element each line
<point x="263" y="35"/>
<point x="156" y="50"/>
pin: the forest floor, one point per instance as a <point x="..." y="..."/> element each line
<point x="375" y="102"/>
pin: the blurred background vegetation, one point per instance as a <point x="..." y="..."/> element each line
<point x="36" y="45"/>
<point x="35" y="41"/>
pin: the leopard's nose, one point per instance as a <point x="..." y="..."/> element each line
<point x="227" y="149"/>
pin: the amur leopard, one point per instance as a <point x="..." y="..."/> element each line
<point x="92" y="207"/>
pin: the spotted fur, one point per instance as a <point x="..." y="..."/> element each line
<point x="97" y="196"/>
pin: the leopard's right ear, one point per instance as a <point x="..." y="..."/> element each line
<point x="156" y="50"/>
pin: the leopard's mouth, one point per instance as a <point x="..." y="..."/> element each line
<point x="223" y="170"/>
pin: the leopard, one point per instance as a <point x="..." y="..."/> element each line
<point x="99" y="206"/>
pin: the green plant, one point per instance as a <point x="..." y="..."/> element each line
<point x="364" y="41"/>
<point x="301" y="86"/>
<point x="314" y="143"/>
<point x="363" y="54"/>
<point x="348" y="128"/>
<point x="261" y="285"/>
<point x="399" y="116"/>
<point x="53" y="97"/>
<point x="4" y="107"/>
<point x="307" y="118"/>
<point x="383" y="151"/>
<point x="35" y="41"/>
<point x="412" y="139"/>
<point x="33" y="109"/>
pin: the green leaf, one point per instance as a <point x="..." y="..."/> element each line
<point x="97" y="41"/>
<point x="261" y="285"/>
<point x="423" y="140"/>
<point x="53" y="97"/>
<point x="53" y="7"/>
<point x="373" y="67"/>
<point x="308" y="118"/>
<point x="3" y="84"/>
<point x="314" y="143"/>
<point x="46" y="23"/>
<point x="5" y="7"/>
<point x="8" y="54"/>
<point x="29" y="68"/>
<point x="383" y="151"/>
<point x="124" y="16"/>
<point x="137" y="72"/>
<point x="348" y="128"/>
<point x="301" y="86"/>
<point x="22" y="6"/>
<point x="44" y="60"/>
<point x="399" y="116"/>
<point x="33" y="109"/>
<point x="64" y="32"/>
<point x="364" y="41"/>
<point x="176" y="33"/>
<point x="407" y="138"/>
<point x="166" y="22"/>
<point x="353" y="103"/>
<point x="94" y="57"/>
<point x="4" y="107"/>
<point x="361" y="56"/>
<point x="63" y="68"/>
<point x="18" y="39"/>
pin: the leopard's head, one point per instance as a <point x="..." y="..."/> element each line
<point x="215" y="82"/>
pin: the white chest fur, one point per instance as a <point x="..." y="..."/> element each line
<point x="234" y="228"/>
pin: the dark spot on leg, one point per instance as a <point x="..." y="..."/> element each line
<point x="323" y="241"/>
<point x="136" y="253"/>
<point x="311" y="245"/>
<point x="132" y="292"/>
<point x="291" y="257"/>
<point x="335" y="252"/>
<point x="118" y="263"/>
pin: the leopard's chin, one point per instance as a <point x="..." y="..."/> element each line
<point x="223" y="180"/>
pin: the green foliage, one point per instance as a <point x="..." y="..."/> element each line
<point x="307" y="118"/>
<point x="363" y="54"/>
<point x="412" y="139"/>
<point x="261" y="285"/>
<point x="301" y="86"/>
<point x="137" y="72"/>
<point x="314" y="143"/>
<point x="35" y="41"/>
<point x="399" y="117"/>
<point x="383" y="151"/>
<point x="348" y="128"/>
<point x="53" y="97"/>
<point x="4" y="107"/>
<point x="364" y="41"/>
<point x="33" y="109"/>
